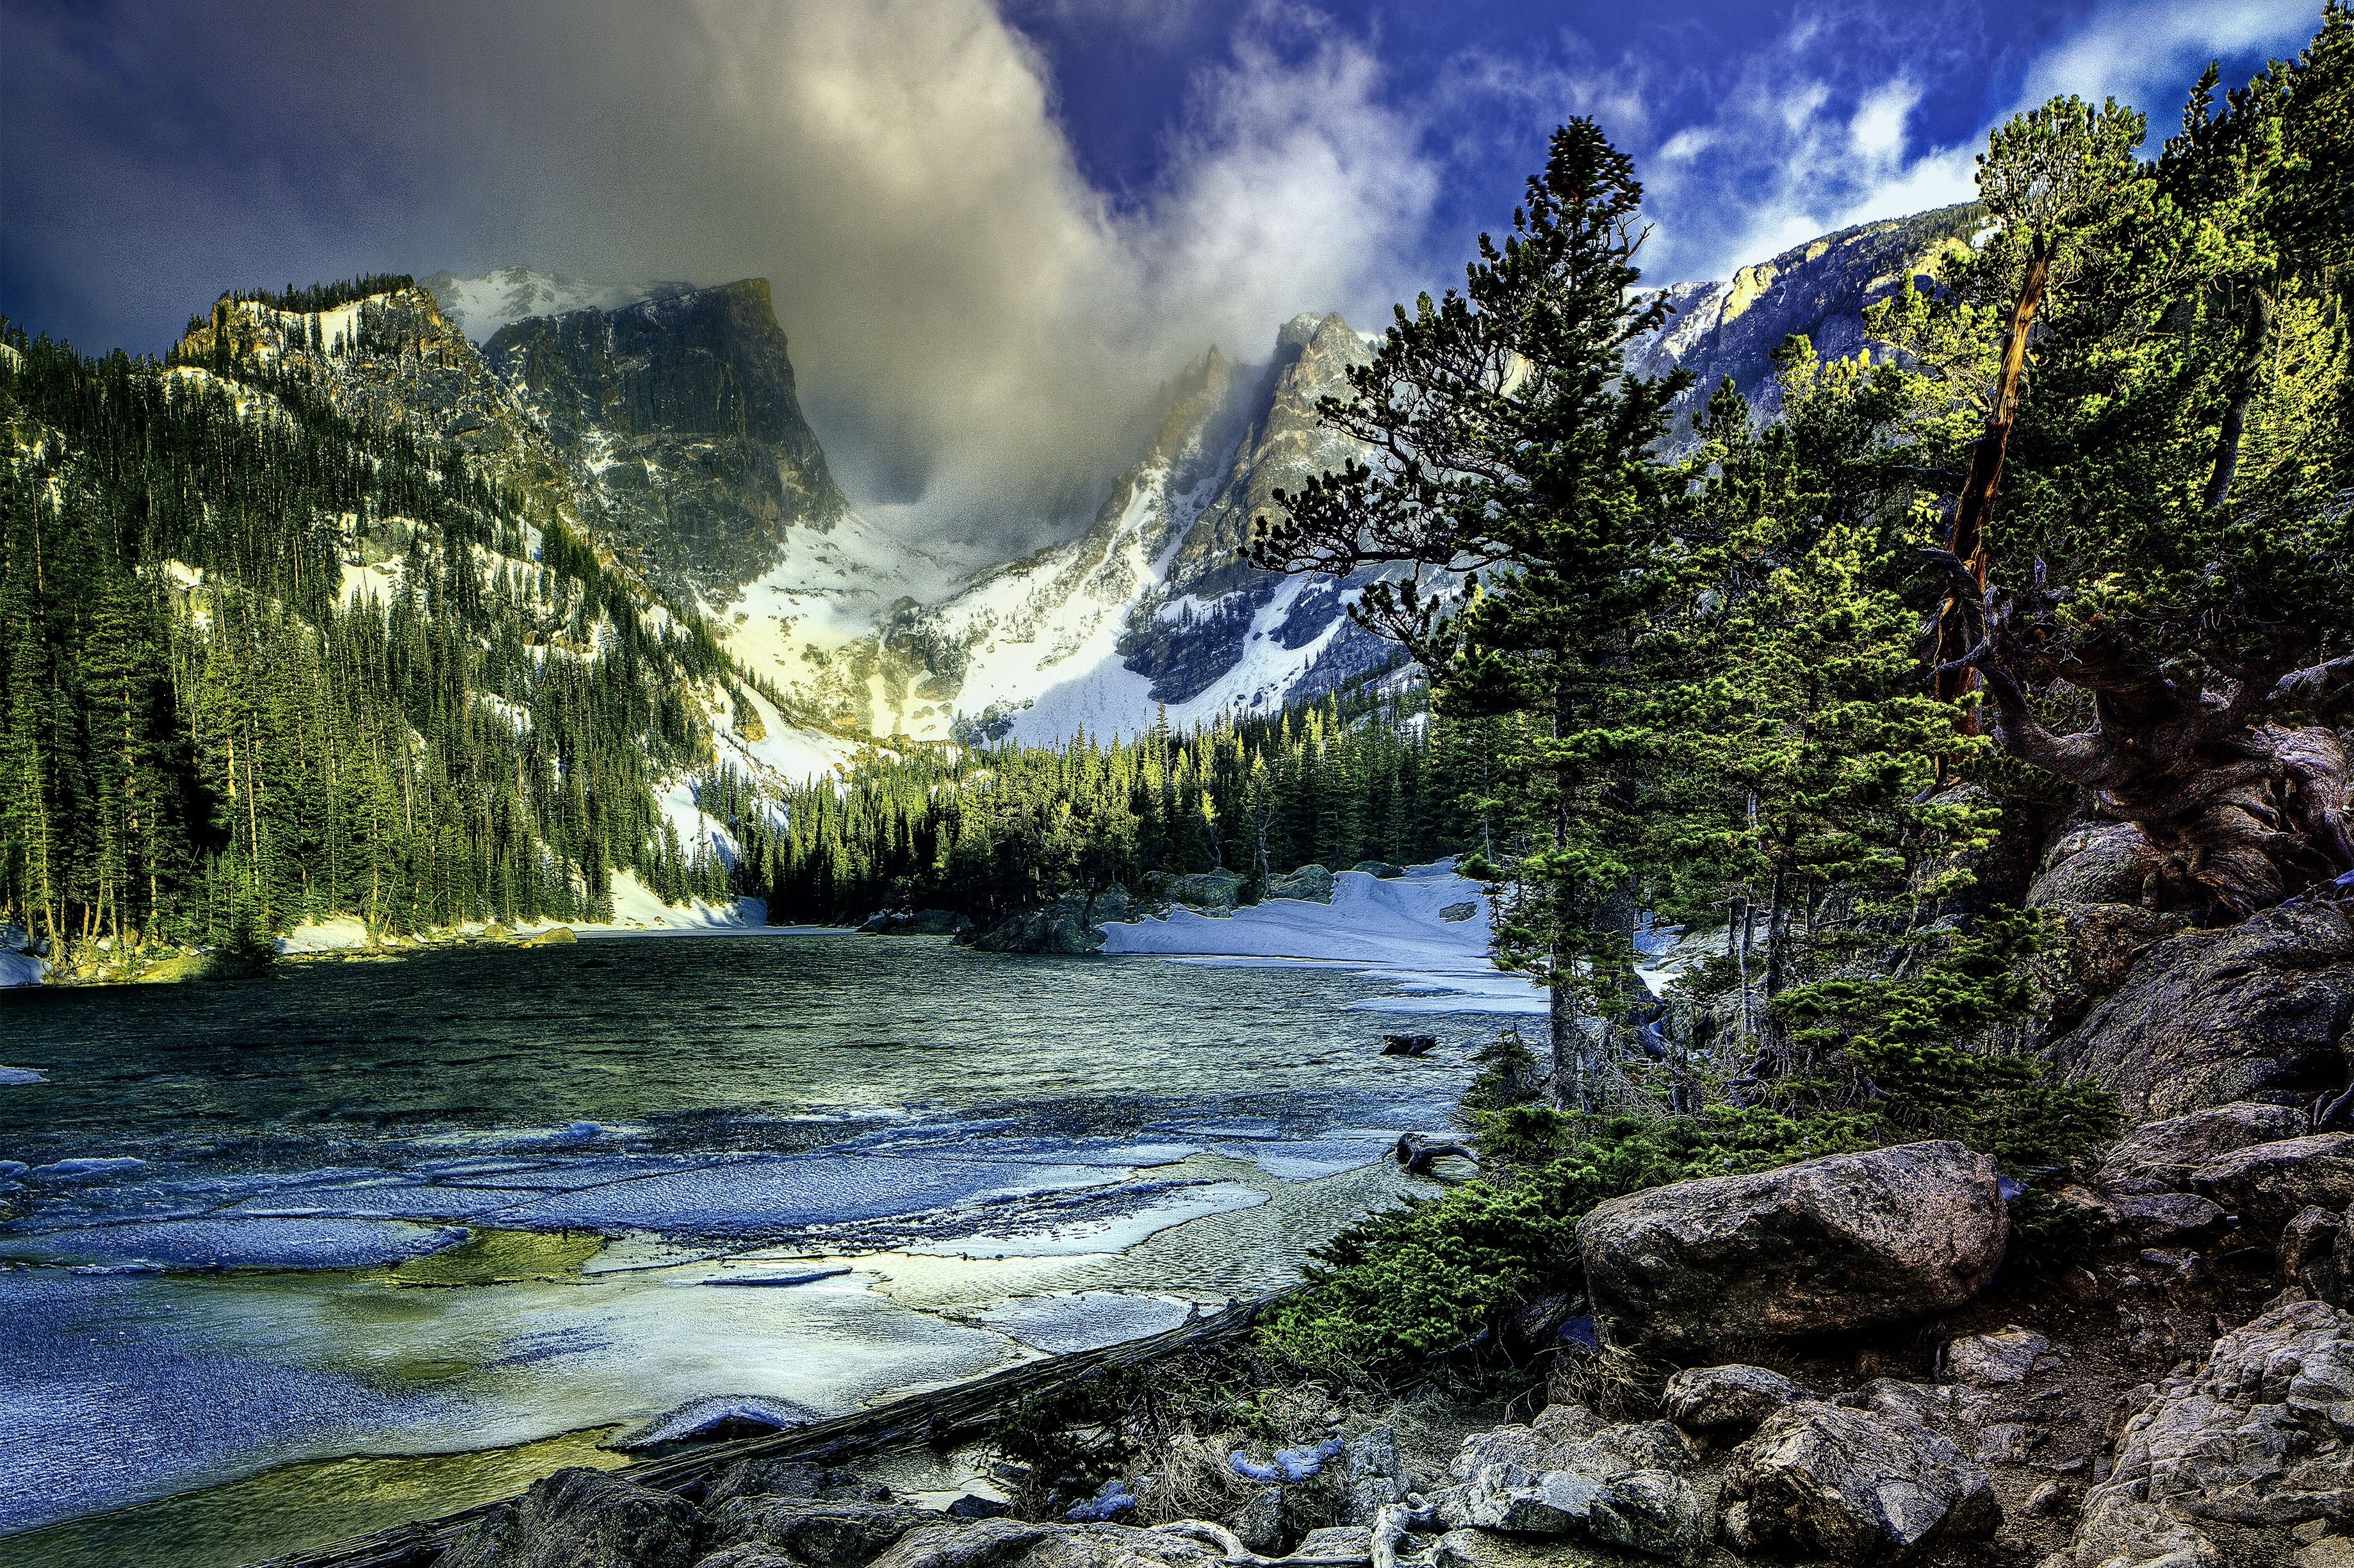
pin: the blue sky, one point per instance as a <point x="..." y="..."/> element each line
<point x="994" y="226"/>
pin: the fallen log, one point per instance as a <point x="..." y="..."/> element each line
<point x="1408" y="1044"/>
<point x="1417" y="1154"/>
<point x="936" y="1416"/>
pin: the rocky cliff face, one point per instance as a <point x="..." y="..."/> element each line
<point x="679" y="415"/>
<point x="1818" y="290"/>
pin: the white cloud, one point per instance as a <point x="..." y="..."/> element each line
<point x="2137" y="52"/>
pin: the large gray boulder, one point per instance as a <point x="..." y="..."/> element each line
<point x="2115" y="1531"/>
<point x="581" y="1518"/>
<point x="1311" y="882"/>
<point x="1854" y="1486"/>
<point x="2262" y="1435"/>
<point x="1727" y="1400"/>
<point x="1621" y="1486"/>
<point x="2266" y="1183"/>
<point x="2159" y="1156"/>
<point x="814" y="1531"/>
<point x="2095" y="863"/>
<point x="1830" y="1245"/>
<point x="2254" y="1011"/>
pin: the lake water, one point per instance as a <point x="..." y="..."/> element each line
<point x="364" y="1240"/>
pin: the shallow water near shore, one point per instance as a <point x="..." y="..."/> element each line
<point x="471" y="1202"/>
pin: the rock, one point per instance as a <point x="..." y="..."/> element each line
<point x="1728" y="1401"/>
<point x="1258" y="1524"/>
<point x="972" y="1505"/>
<point x="2206" y="1018"/>
<point x="580" y="1518"/>
<point x="1311" y="882"/>
<point x="1377" y="1473"/>
<point x="791" y="1479"/>
<point x="2161" y="1156"/>
<point x="2047" y="1499"/>
<point x="917" y="922"/>
<point x="1456" y="914"/>
<point x="1380" y="868"/>
<point x="2162" y="1219"/>
<point x="1853" y="1485"/>
<point x="1622" y="1486"/>
<point x="1558" y="1428"/>
<point x="1211" y="892"/>
<point x="2265" y="1183"/>
<point x="2328" y="1552"/>
<point x="1408" y="1044"/>
<point x="990" y="1543"/>
<point x="1828" y="1244"/>
<point x="1990" y="1361"/>
<point x="2115" y="1532"/>
<point x="2099" y="945"/>
<point x="1336" y="1541"/>
<point x="2263" y="1435"/>
<point x="2309" y="1248"/>
<point x="2094" y="862"/>
<point x="554" y="936"/>
<point x="2002" y="1443"/>
<point x="813" y="1531"/>
<point x="1058" y="927"/>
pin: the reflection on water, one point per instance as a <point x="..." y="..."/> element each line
<point x="471" y="1199"/>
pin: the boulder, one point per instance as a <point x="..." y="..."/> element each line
<point x="2309" y="1248"/>
<point x="2263" y="1435"/>
<point x="1828" y="1244"/>
<point x="1380" y="868"/>
<point x="791" y="1479"/>
<point x="1061" y="926"/>
<point x="2095" y="863"/>
<point x="1992" y="1361"/>
<point x="1728" y="1401"/>
<point x="2159" y="1156"/>
<point x="2166" y="1219"/>
<point x="814" y="1531"/>
<point x="2256" y="1011"/>
<point x="580" y="1518"/>
<point x="2266" y="1183"/>
<point x="917" y="922"/>
<point x="1311" y="882"/>
<point x="1853" y="1485"/>
<point x="1377" y="1473"/>
<point x="2115" y="1531"/>
<point x="2099" y="945"/>
<point x="1258" y="1523"/>
<point x="1622" y="1486"/>
<point x="1211" y="892"/>
<point x="1011" y="1543"/>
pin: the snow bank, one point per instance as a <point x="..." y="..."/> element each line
<point x="340" y="935"/>
<point x="720" y="1416"/>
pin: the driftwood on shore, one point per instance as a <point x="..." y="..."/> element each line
<point x="936" y="1416"/>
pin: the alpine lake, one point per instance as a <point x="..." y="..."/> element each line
<point x="361" y="1241"/>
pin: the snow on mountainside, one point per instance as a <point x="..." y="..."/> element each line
<point x="1151" y="606"/>
<point x="482" y="304"/>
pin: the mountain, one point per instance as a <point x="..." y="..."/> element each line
<point x="317" y="619"/>
<point x="1150" y="606"/>
<point x="1818" y="290"/>
<point x="1154" y="604"/>
<point x="680" y="419"/>
<point x="481" y="304"/>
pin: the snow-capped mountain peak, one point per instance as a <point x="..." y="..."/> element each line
<point x="482" y="304"/>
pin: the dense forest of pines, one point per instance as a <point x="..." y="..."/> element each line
<point x="986" y="830"/>
<point x="203" y="739"/>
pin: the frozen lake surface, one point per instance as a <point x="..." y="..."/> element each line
<point x="487" y="1198"/>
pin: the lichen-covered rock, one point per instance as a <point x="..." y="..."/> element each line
<point x="1377" y="1473"/>
<point x="1311" y="882"/>
<point x="2255" y="1011"/>
<point x="581" y="1518"/>
<point x="2115" y="1531"/>
<point x="2165" y="1219"/>
<point x="2264" y="1434"/>
<point x="1854" y="1486"/>
<point x="1727" y="1400"/>
<point x="2266" y="1183"/>
<point x="791" y="1479"/>
<point x="1211" y="892"/>
<point x="1059" y="927"/>
<point x="1258" y="1523"/>
<point x="814" y="1531"/>
<point x="1990" y="1360"/>
<point x="2159" y="1156"/>
<point x="1624" y="1486"/>
<point x="2094" y="862"/>
<point x="1838" y="1243"/>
